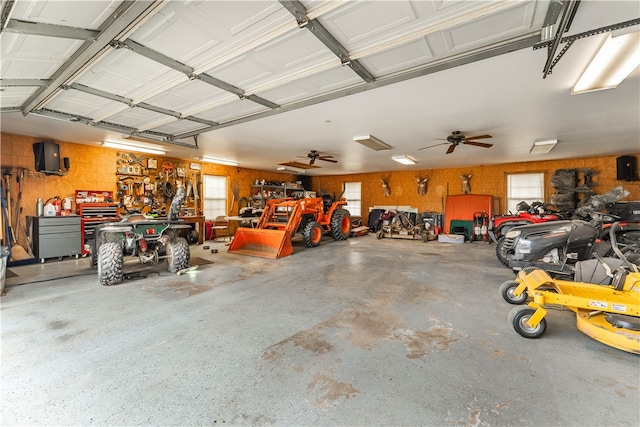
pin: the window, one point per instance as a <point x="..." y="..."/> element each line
<point x="215" y="196"/>
<point x="528" y="187"/>
<point x="352" y="192"/>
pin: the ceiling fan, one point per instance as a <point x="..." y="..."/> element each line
<point x="314" y="155"/>
<point x="458" y="137"/>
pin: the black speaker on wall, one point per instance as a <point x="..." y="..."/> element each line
<point x="626" y="169"/>
<point x="47" y="155"/>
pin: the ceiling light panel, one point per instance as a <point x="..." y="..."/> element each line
<point x="405" y="160"/>
<point x="132" y="147"/>
<point x="615" y="60"/>
<point x="541" y="147"/>
<point x="371" y="142"/>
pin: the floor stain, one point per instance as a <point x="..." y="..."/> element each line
<point x="330" y="390"/>
<point x="311" y="340"/>
<point x="418" y="342"/>
<point x="178" y="287"/>
<point x="366" y="328"/>
<point x="58" y="324"/>
<point x="499" y="407"/>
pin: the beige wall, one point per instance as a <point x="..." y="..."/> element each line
<point x="489" y="180"/>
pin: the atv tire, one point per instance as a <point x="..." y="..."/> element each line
<point x="178" y="255"/>
<point x="340" y="224"/>
<point x="312" y="234"/>
<point x="93" y="255"/>
<point x="499" y="252"/>
<point x="110" y="264"/>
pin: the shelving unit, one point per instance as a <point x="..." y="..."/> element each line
<point x="260" y="193"/>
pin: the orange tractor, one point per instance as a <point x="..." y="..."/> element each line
<point x="283" y="218"/>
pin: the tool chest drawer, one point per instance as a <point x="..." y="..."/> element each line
<point x="56" y="236"/>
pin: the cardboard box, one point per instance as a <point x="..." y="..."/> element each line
<point x="451" y="238"/>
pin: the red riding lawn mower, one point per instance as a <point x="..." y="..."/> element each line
<point x="499" y="225"/>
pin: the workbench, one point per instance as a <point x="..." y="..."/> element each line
<point x="199" y="220"/>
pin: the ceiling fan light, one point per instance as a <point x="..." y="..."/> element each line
<point x="371" y="142"/>
<point x="405" y="160"/>
<point x="542" y="147"/>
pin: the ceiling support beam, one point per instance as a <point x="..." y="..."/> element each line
<point x="23" y="82"/>
<point x="565" y="22"/>
<point x="49" y="30"/>
<point x="5" y="12"/>
<point x="523" y="42"/>
<point x="114" y="127"/>
<point x="126" y="17"/>
<point x="190" y="73"/>
<point x="570" y="39"/>
<point x="298" y="10"/>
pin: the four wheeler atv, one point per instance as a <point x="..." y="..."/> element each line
<point x="537" y="213"/>
<point x="148" y="240"/>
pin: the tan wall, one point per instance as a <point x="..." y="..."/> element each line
<point x="489" y="180"/>
<point x="94" y="168"/>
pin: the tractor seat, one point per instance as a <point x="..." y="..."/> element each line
<point x="326" y="202"/>
<point x="593" y="271"/>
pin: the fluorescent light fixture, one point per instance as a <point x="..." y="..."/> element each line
<point x="372" y="142"/>
<point x="541" y="147"/>
<point x="405" y="160"/>
<point x="290" y="169"/>
<point x="219" y="161"/>
<point x="137" y="148"/>
<point x="616" y="59"/>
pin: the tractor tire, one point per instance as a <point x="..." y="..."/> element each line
<point x="341" y="224"/>
<point x="518" y="318"/>
<point x="178" y="255"/>
<point x="312" y="234"/>
<point x="506" y="290"/>
<point x="499" y="252"/>
<point x="110" y="264"/>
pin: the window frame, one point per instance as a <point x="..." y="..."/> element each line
<point x="541" y="175"/>
<point x="221" y="190"/>
<point x="354" y="205"/>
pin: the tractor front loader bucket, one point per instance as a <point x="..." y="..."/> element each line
<point x="261" y="242"/>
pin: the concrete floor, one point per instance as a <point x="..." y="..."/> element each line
<point x="361" y="332"/>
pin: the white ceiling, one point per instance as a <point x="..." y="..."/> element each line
<point x="257" y="88"/>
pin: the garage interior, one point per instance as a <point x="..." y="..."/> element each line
<point x="301" y="99"/>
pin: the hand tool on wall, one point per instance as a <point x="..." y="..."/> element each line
<point x="7" y="200"/>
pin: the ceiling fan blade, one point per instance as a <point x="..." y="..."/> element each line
<point x="450" y="150"/>
<point x="312" y="161"/>
<point x="478" y="144"/>
<point x="327" y="159"/>
<point x="435" y="145"/>
<point x="478" y="137"/>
